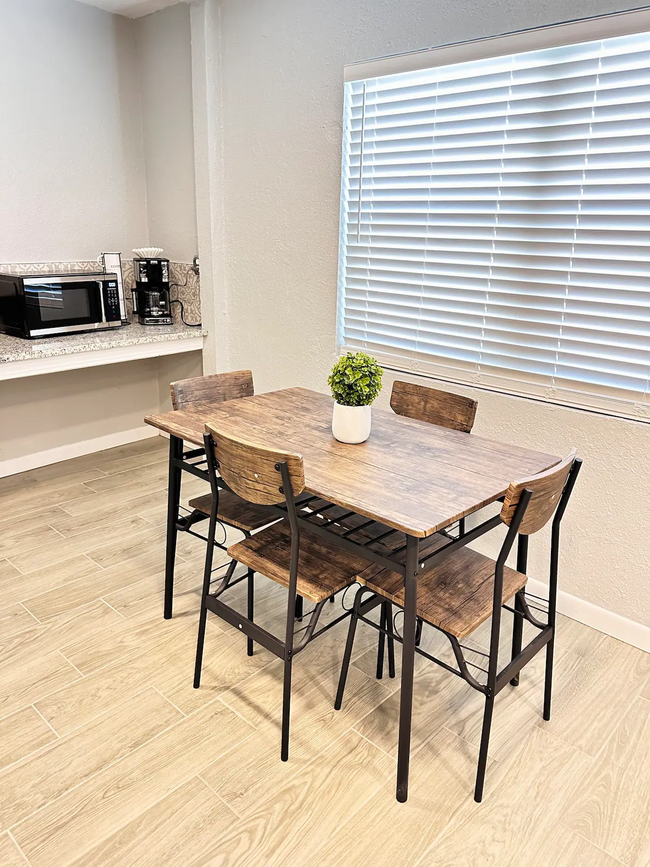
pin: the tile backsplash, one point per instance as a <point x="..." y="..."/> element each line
<point x="185" y="284"/>
<point x="49" y="267"/>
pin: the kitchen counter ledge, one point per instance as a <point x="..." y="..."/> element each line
<point x="20" y="358"/>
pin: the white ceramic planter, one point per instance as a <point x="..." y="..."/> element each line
<point x="351" y="424"/>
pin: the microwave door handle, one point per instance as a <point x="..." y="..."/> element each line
<point x="101" y="299"/>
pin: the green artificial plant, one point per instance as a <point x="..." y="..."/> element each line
<point x="355" y="379"/>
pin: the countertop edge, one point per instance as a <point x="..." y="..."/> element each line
<point x="73" y="352"/>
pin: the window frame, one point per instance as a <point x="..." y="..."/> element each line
<point x="600" y="398"/>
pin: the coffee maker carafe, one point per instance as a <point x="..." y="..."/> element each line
<point x="151" y="299"/>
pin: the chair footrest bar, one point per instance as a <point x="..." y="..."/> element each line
<point x="231" y="584"/>
<point x="222" y="545"/>
<point x="325" y="628"/>
<point x="247" y="627"/>
<point x="397" y="637"/>
<point x="184" y="522"/>
<point x="513" y="668"/>
<point x="370" y="603"/>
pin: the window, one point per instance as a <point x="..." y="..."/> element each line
<point x="495" y="222"/>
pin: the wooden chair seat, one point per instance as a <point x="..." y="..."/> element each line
<point x="235" y="511"/>
<point x="322" y="569"/>
<point x="455" y="596"/>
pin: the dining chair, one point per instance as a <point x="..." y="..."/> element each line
<point x="188" y="394"/>
<point x="300" y="561"/>
<point x="462" y="590"/>
<point x="442" y="408"/>
<point x="202" y="392"/>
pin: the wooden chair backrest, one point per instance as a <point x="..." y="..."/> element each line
<point x="436" y="407"/>
<point x="187" y="393"/>
<point x="546" y="488"/>
<point x="252" y="471"/>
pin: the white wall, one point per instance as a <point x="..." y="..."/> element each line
<point x="165" y="68"/>
<point x="48" y="418"/>
<point x="269" y="205"/>
<point x="96" y="141"/>
<point x="74" y="145"/>
<point x="71" y="158"/>
<point x="59" y="409"/>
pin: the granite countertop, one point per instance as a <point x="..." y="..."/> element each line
<point x="18" y="349"/>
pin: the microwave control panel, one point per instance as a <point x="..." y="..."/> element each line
<point x="112" y="301"/>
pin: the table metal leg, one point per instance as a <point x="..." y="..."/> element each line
<point x="408" y="662"/>
<point x="173" y="502"/>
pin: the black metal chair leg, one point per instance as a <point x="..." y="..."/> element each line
<point x="251" y="606"/>
<point x="517" y="635"/>
<point x="391" y="640"/>
<point x="199" y="645"/>
<point x="331" y="600"/>
<point x="345" y="665"/>
<point x="286" y="707"/>
<point x="173" y="502"/>
<point x="483" y="752"/>
<point x="552" y="591"/>
<point x="381" y="642"/>
<point x="518" y="625"/>
<point x="207" y="575"/>
<point x="461" y="527"/>
<point x="548" y="680"/>
<point x="299" y="609"/>
<point x="418" y="631"/>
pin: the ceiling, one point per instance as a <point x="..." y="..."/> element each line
<point x="130" y="8"/>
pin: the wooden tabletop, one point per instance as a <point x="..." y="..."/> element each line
<point x="410" y="475"/>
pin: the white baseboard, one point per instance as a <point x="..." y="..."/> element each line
<point x="598" y="618"/>
<point x="75" y="450"/>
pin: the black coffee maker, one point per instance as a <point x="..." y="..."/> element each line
<point x="151" y="299"/>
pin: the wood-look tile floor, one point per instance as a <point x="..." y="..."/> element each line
<point x="108" y="756"/>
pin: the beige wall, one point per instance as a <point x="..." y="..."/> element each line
<point x="172" y="368"/>
<point x="271" y="115"/>
<point x="67" y="410"/>
<point x="71" y="159"/>
<point x="165" y="68"/>
<point x="96" y="145"/>
<point x="54" y="410"/>
<point x="88" y="101"/>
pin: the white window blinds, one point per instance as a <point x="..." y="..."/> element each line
<point x="496" y="221"/>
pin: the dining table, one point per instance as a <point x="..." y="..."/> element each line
<point x="413" y="477"/>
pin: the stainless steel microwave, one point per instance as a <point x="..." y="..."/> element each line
<point x="39" y="305"/>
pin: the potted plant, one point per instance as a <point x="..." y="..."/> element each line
<point x="355" y="381"/>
